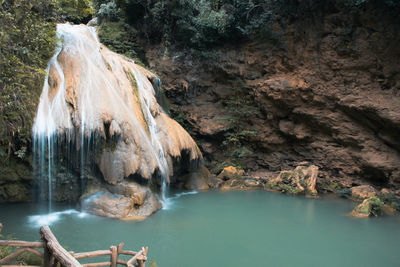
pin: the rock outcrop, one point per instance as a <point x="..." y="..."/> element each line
<point x="369" y="207"/>
<point x="301" y="180"/>
<point x="362" y="192"/>
<point x="323" y="90"/>
<point x="232" y="178"/>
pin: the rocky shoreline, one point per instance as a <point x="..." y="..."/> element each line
<point x="302" y="181"/>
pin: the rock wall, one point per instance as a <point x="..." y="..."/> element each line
<point x="323" y="88"/>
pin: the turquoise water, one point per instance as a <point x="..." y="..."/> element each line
<point x="230" y="229"/>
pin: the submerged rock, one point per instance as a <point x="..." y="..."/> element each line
<point x="300" y="181"/>
<point x="122" y="201"/>
<point x="372" y="206"/>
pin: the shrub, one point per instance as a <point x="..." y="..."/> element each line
<point x="109" y="11"/>
<point x="76" y="11"/>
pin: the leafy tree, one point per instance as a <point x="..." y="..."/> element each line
<point x="27" y="41"/>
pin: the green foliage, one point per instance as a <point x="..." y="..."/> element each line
<point x="200" y="23"/>
<point x="376" y="206"/>
<point x="391" y="200"/>
<point x="371" y="207"/>
<point x="204" y="23"/>
<point x="121" y="38"/>
<point x="77" y="11"/>
<point x="26" y="44"/>
<point x="26" y="258"/>
<point x="109" y="11"/>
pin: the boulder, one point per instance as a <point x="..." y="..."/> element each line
<point x="372" y="206"/>
<point x="242" y="184"/>
<point x="300" y="181"/>
<point x="198" y="180"/>
<point x="362" y="192"/>
<point x="229" y="173"/>
<point x="122" y="201"/>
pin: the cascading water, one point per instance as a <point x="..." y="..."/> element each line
<point x="45" y="128"/>
<point x="145" y="95"/>
<point x="103" y="106"/>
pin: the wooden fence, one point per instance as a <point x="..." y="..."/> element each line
<point x="55" y="255"/>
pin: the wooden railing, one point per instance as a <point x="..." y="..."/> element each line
<point x="54" y="254"/>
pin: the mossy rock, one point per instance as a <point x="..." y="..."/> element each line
<point x="370" y="207"/>
<point x="301" y="180"/>
<point x="16" y="192"/>
<point x="14" y="171"/>
<point x="391" y="200"/>
<point x="230" y="173"/>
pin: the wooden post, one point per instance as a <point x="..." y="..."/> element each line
<point x="142" y="260"/>
<point x="1" y="227"/>
<point x="53" y="249"/>
<point x="114" y="256"/>
<point x="46" y="254"/>
<point x="119" y="248"/>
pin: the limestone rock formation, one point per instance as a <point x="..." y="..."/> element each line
<point x="232" y="178"/>
<point x="229" y="173"/>
<point x="200" y="179"/>
<point x="93" y="91"/>
<point x="128" y="201"/>
<point x="101" y="107"/>
<point x="301" y="180"/>
<point x="371" y="206"/>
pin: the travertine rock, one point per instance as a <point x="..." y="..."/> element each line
<point x="229" y="173"/>
<point x="123" y="201"/>
<point x="302" y="180"/>
<point x="92" y="91"/>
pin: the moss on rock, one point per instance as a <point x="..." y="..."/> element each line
<point x="301" y="180"/>
<point x="371" y="206"/>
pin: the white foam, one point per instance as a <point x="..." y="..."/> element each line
<point x="168" y="202"/>
<point x="51" y="218"/>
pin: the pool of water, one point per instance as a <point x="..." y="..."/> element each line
<point x="227" y="229"/>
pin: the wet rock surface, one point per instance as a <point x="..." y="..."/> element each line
<point x="372" y="206"/>
<point x="122" y="201"/>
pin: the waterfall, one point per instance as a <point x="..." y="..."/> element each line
<point x="103" y="106"/>
<point x="146" y="91"/>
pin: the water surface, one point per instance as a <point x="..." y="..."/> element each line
<point x="229" y="229"/>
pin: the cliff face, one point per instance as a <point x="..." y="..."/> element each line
<point x="325" y="89"/>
